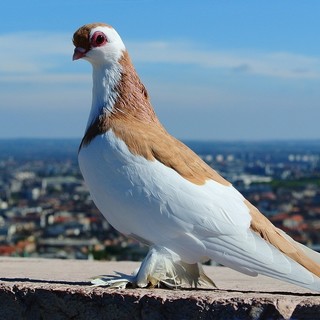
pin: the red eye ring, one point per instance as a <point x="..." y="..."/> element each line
<point x="98" y="39"/>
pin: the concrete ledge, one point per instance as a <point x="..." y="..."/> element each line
<point x="59" y="289"/>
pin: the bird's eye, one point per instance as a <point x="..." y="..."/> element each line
<point x="98" y="39"/>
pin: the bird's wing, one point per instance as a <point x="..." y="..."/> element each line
<point x="204" y="197"/>
<point x="220" y="226"/>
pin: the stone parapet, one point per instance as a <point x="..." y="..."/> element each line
<point x="60" y="289"/>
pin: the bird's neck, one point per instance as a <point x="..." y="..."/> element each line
<point x="117" y="91"/>
<point x="104" y="93"/>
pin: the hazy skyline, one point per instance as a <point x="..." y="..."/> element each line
<point x="215" y="70"/>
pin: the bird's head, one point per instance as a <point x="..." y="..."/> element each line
<point x="98" y="43"/>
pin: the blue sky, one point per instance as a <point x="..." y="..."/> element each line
<point x="215" y="70"/>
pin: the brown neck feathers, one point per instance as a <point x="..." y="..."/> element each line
<point x="133" y="98"/>
<point x="132" y="103"/>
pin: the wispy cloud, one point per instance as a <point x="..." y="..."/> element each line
<point x="27" y="52"/>
<point x="271" y="64"/>
<point x="37" y="58"/>
<point x="45" y="57"/>
<point x="46" y="78"/>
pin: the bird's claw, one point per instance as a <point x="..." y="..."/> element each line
<point x="120" y="281"/>
<point x="160" y="268"/>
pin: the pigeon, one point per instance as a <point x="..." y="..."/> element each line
<point x="151" y="187"/>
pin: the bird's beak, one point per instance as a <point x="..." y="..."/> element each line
<point x="79" y="53"/>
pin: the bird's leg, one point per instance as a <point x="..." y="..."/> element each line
<point x="160" y="266"/>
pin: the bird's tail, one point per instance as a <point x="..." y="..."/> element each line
<point x="253" y="255"/>
<point x="311" y="254"/>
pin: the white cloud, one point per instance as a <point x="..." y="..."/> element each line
<point x="32" y="52"/>
<point x="37" y="56"/>
<point x="47" y="78"/>
<point x="272" y="64"/>
<point x="41" y="62"/>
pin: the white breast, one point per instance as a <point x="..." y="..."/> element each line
<point x="153" y="202"/>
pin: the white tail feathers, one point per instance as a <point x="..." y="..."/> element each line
<point x="253" y="255"/>
<point x="315" y="256"/>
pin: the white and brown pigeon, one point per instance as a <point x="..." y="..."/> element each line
<point x="153" y="188"/>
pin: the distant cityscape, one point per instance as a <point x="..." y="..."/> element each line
<point x="46" y="210"/>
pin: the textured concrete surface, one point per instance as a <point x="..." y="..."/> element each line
<point x="60" y="289"/>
